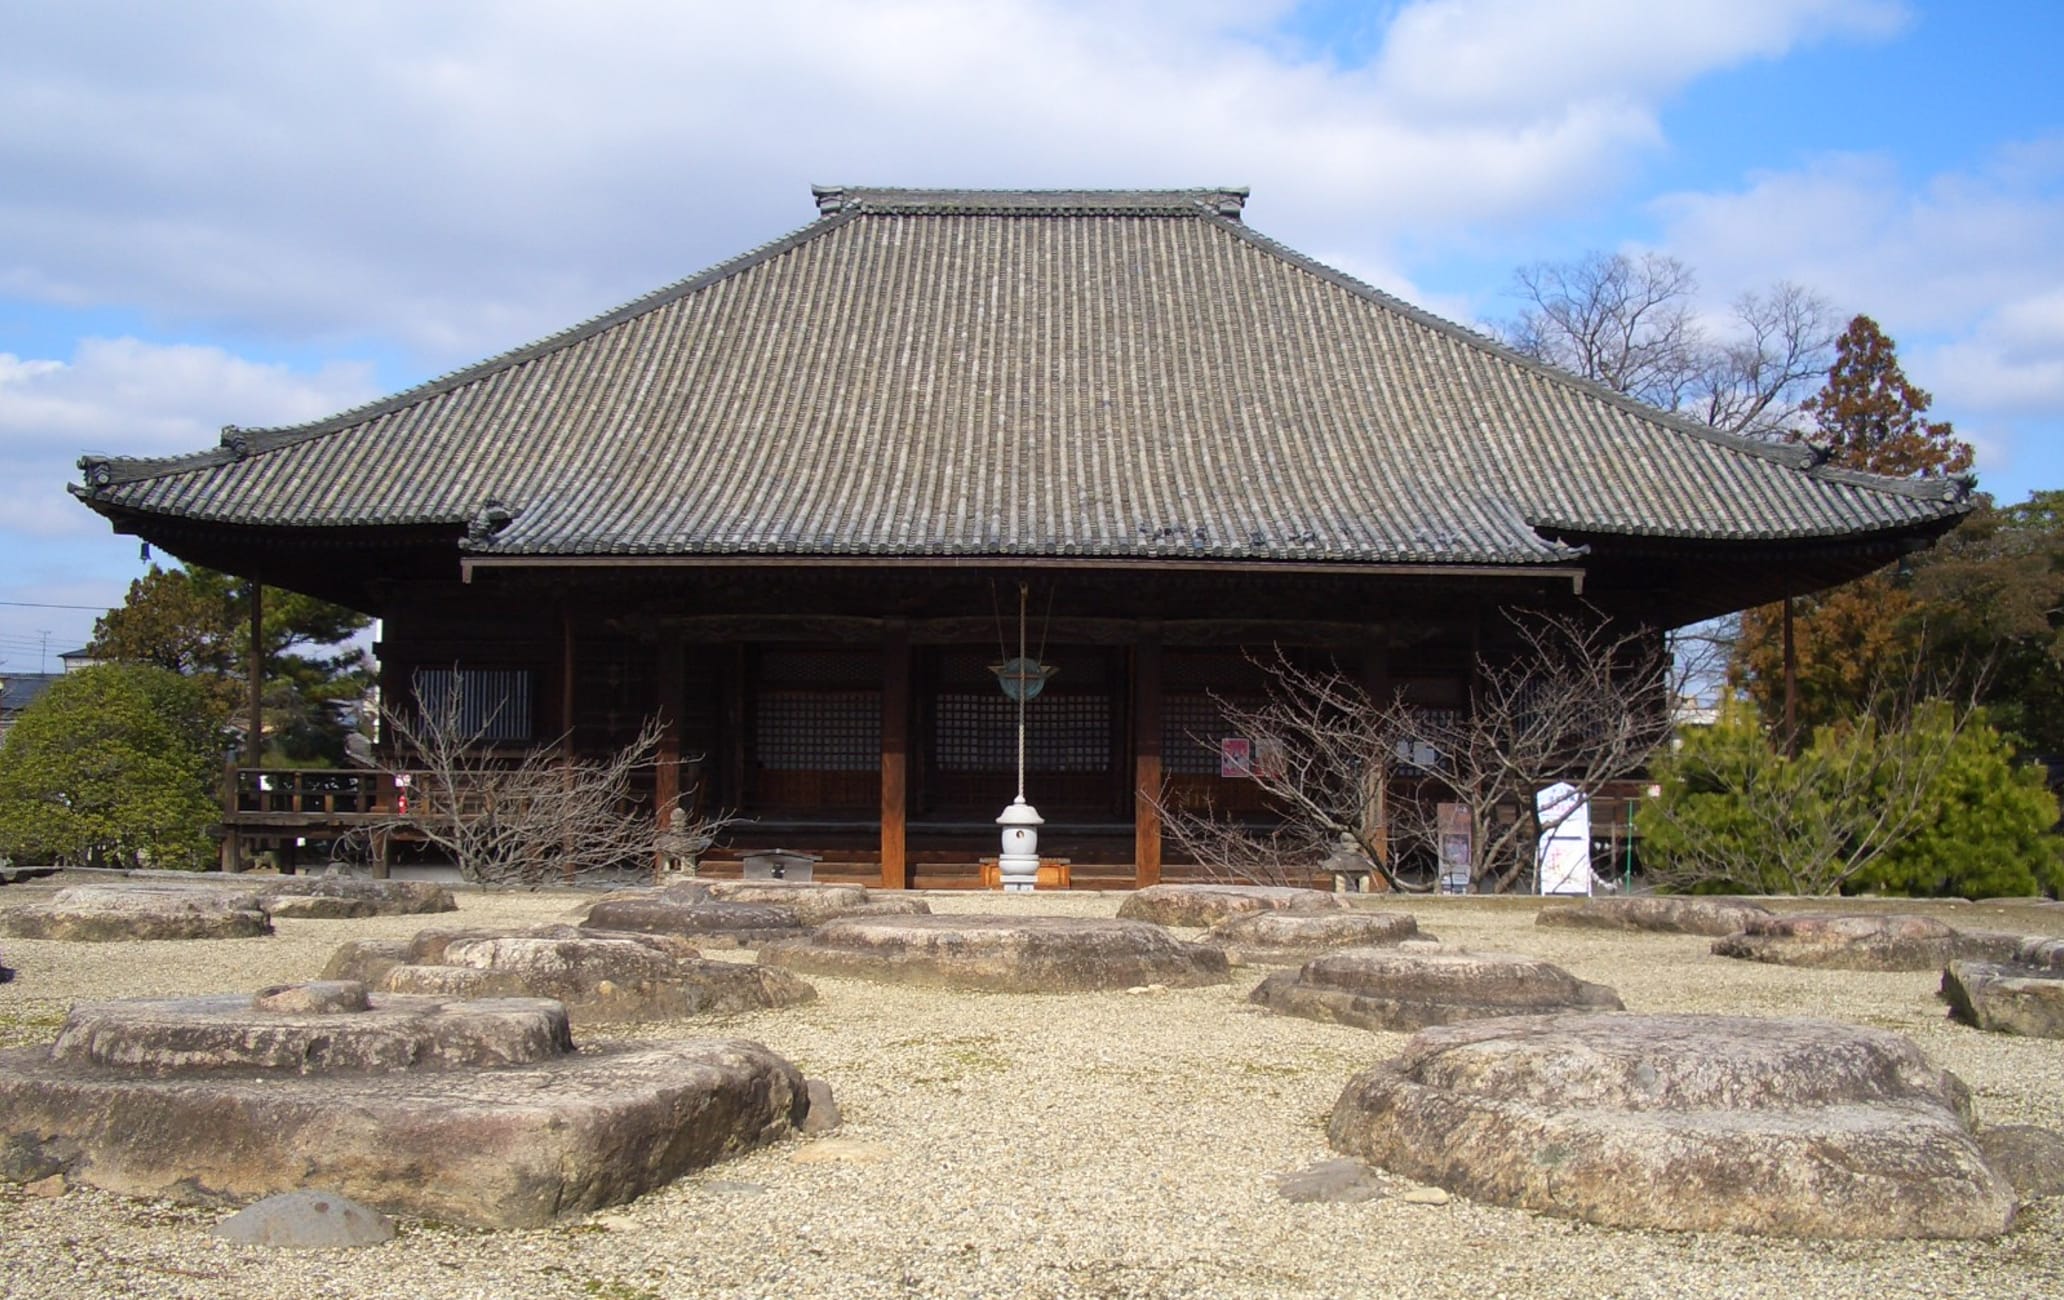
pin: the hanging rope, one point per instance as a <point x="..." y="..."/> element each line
<point x="1023" y="591"/>
<point x="996" y="608"/>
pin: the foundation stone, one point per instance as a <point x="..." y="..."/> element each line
<point x="1699" y="1123"/>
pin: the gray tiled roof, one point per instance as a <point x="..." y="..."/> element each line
<point x="1077" y="373"/>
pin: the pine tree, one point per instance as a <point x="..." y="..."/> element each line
<point x="196" y="622"/>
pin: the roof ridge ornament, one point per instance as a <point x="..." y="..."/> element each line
<point x="235" y="442"/>
<point x="831" y="199"/>
<point x="491" y="518"/>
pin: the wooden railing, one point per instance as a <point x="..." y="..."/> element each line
<point x="306" y="792"/>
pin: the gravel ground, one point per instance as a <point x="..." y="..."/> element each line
<point x="1088" y="1145"/>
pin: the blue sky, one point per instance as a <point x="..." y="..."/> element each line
<point x="254" y="212"/>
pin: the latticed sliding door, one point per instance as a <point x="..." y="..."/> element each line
<point x="1072" y="763"/>
<point x="814" y="732"/>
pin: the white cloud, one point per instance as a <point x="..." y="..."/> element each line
<point x="139" y="399"/>
<point x="1519" y="58"/>
<point x="1964" y="269"/>
<point x="465" y="176"/>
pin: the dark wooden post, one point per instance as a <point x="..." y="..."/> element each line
<point x="673" y="672"/>
<point x="379" y="797"/>
<point x="232" y="841"/>
<point x="1791" y="683"/>
<point x="734" y="727"/>
<point x="1146" y="757"/>
<point x="566" y="684"/>
<point x="566" y="719"/>
<point x="254" y="743"/>
<point x="895" y="753"/>
<point x="1382" y="690"/>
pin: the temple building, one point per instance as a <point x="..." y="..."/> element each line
<point x="789" y="505"/>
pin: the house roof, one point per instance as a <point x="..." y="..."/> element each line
<point x="19" y="690"/>
<point x="1130" y="374"/>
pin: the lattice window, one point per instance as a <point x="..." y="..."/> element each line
<point x="1063" y="733"/>
<point x="818" y="731"/>
<point x="1191" y="727"/>
<point x="491" y="703"/>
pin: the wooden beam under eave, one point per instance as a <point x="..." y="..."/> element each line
<point x="895" y="753"/>
<point x="1146" y="757"/>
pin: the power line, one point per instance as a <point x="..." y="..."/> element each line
<point x="30" y="604"/>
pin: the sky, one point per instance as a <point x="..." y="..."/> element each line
<point x="257" y="213"/>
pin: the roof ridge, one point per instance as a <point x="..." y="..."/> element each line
<point x="1221" y="200"/>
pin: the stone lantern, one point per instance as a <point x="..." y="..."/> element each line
<point x="1019" y="865"/>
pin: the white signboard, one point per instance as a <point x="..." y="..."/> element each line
<point x="1563" y="865"/>
<point x="1454" y="848"/>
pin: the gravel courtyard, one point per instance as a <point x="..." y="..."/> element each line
<point x="1119" y="1144"/>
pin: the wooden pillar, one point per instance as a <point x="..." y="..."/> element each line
<point x="1791" y="683"/>
<point x="1146" y="757"/>
<point x="254" y="743"/>
<point x="232" y="841"/>
<point x="566" y="871"/>
<point x="1382" y="690"/>
<point x="734" y="728"/>
<point x="895" y="753"/>
<point x="566" y="684"/>
<point x="666" y="778"/>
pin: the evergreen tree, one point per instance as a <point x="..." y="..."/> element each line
<point x="114" y="765"/>
<point x="196" y="622"/>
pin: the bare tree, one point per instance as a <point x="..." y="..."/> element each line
<point x="1754" y="382"/>
<point x="1622" y="321"/>
<point x="1578" y="701"/>
<point x="528" y="818"/>
<point x="1631" y="324"/>
<point x="1325" y="751"/>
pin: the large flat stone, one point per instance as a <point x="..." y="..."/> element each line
<point x="2038" y="950"/>
<point x="1279" y="937"/>
<point x="2006" y="999"/>
<point x="1709" y="1123"/>
<point x="1007" y="954"/>
<point x="2029" y="1157"/>
<point x="235" y="1033"/>
<point x="110" y="913"/>
<point x="336" y="896"/>
<point x="1668" y="914"/>
<point x="1869" y="941"/>
<point x="707" y="921"/>
<point x="812" y="903"/>
<point x="1406" y="989"/>
<point x="508" y="1148"/>
<point x="1203" y="905"/>
<point x="600" y="976"/>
